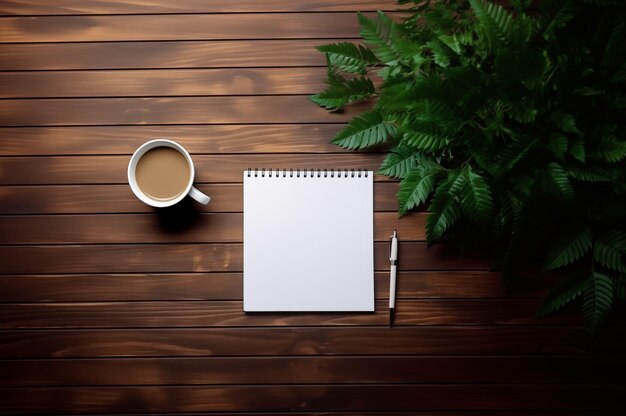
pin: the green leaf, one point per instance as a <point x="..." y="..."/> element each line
<point x="400" y="160"/>
<point x="496" y="22"/>
<point x="349" y="57"/>
<point x="610" y="149"/>
<point x="445" y="208"/>
<point x="442" y="54"/>
<point x="558" y="145"/>
<point x="368" y="129"/>
<point x="477" y="202"/>
<point x="577" y="149"/>
<point x="565" y="122"/>
<point x="555" y="14"/>
<point x="341" y="91"/>
<point x="515" y="152"/>
<point x="609" y="257"/>
<point x="569" y="246"/>
<point x="382" y="34"/>
<point x="589" y="174"/>
<point x="415" y="188"/>
<point x="564" y="292"/>
<point x="424" y="136"/>
<point x="560" y="182"/>
<point x="616" y="239"/>
<point x="598" y="300"/>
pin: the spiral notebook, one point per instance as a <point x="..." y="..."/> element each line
<point x="308" y="240"/>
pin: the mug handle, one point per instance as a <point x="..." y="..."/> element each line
<point x="199" y="196"/>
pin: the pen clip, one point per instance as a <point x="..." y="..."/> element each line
<point x="390" y="245"/>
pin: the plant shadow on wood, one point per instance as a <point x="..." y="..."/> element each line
<point x="178" y="218"/>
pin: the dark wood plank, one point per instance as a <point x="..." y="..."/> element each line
<point x="150" y="83"/>
<point x="325" y="397"/>
<point x="148" y="258"/>
<point x="444" y="340"/>
<point x="93" y="287"/>
<point x="229" y="286"/>
<point x="179" y="27"/>
<point x="123" y="140"/>
<point x="102" y="199"/>
<point x="158" y="227"/>
<point x="187" y="110"/>
<point x="230" y="313"/>
<point x="311" y="370"/>
<point x="178" y="54"/>
<point x="70" y="7"/>
<point x="209" y="168"/>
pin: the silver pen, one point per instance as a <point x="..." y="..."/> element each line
<point x="393" y="260"/>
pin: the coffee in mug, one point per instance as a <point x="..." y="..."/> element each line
<point x="161" y="173"/>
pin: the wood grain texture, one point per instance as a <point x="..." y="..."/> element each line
<point x="186" y="314"/>
<point x="69" y="7"/>
<point x="176" y="54"/>
<point x="148" y="258"/>
<point x="104" y="199"/>
<point x="183" y="110"/>
<point x="307" y="341"/>
<point x="229" y="286"/>
<point x="108" y="307"/>
<point x="178" y="27"/>
<point x="298" y="398"/>
<point x="209" y="168"/>
<point x="123" y="140"/>
<point x="150" y="83"/>
<point x="313" y="370"/>
<point x="141" y="228"/>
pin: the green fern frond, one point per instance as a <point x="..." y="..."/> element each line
<point x="368" y="129"/>
<point x="415" y="188"/>
<point x="382" y="34"/>
<point x="559" y="181"/>
<point x="565" y="291"/>
<point x="609" y="257"/>
<point x="497" y="23"/>
<point x="424" y="136"/>
<point x="341" y="92"/>
<point x="515" y="152"/>
<point x="610" y="150"/>
<point x="577" y="149"/>
<point x="557" y="143"/>
<point x="349" y="57"/>
<point x="445" y="208"/>
<point x="613" y="51"/>
<point x="598" y="300"/>
<point x="589" y="174"/>
<point x="569" y="246"/>
<point x="565" y="122"/>
<point x="616" y="239"/>
<point x="477" y="202"/>
<point x="442" y="54"/>
<point x="399" y="162"/>
<point x="556" y="14"/>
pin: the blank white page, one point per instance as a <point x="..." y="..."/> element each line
<point x="308" y="241"/>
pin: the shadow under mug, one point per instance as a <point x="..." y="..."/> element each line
<point x="189" y="190"/>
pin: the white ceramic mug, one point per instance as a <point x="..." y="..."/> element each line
<point x="189" y="190"/>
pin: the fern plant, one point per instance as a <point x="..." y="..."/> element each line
<point x="508" y="123"/>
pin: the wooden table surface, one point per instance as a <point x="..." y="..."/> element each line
<point x="107" y="306"/>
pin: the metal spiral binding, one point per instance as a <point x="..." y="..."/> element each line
<point x="307" y="173"/>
